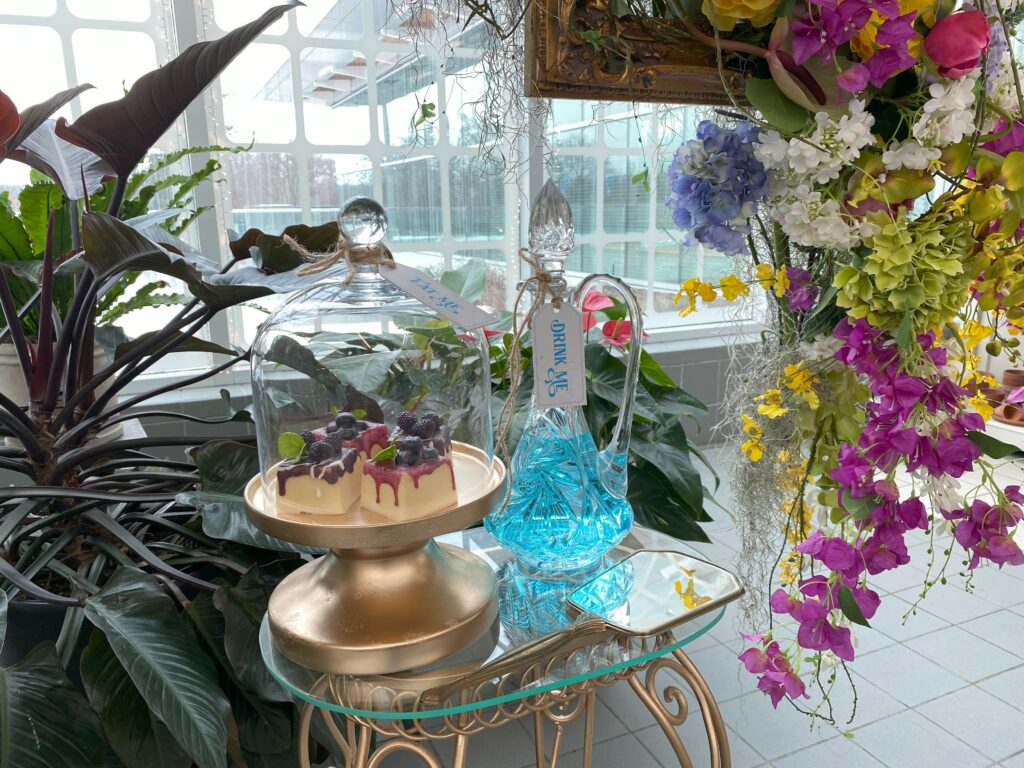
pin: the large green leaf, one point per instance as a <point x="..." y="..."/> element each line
<point x="243" y="606"/>
<point x="468" y="280"/>
<point x="168" y="667"/>
<point x="777" y="108"/>
<point x="666" y="447"/>
<point x="122" y="131"/>
<point x="15" y="244"/>
<point x="44" y="721"/>
<point x="224" y="517"/>
<point x="136" y="734"/>
<point x="34" y="205"/>
<point x="263" y="727"/>
<point x="606" y="376"/>
<point x="991" y="446"/>
<point x="225" y="466"/>
<point x="658" y="505"/>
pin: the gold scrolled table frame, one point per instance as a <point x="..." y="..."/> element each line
<point x="413" y="732"/>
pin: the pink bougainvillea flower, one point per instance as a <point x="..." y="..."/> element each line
<point x="777" y="677"/>
<point x="817" y="633"/>
<point x="957" y="42"/>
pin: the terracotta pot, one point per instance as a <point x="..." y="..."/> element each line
<point x="1013" y="378"/>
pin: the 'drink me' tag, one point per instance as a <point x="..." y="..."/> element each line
<point x="445" y="302"/>
<point x="558" y="375"/>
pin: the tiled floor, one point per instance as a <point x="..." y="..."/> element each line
<point x="944" y="689"/>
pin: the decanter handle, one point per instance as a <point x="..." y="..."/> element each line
<point x="619" y="443"/>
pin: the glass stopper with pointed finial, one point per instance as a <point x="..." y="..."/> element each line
<point x="362" y="221"/>
<point x="551" y="229"/>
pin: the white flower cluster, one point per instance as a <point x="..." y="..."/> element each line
<point x="1002" y="88"/>
<point x="798" y="165"/>
<point x="948" y="115"/>
<point x="825" y="152"/>
<point x="822" y="348"/>
<point x="815" y="221"/>
<point x="909" y="154"/>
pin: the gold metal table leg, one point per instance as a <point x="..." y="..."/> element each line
<point x="669" y="719"/>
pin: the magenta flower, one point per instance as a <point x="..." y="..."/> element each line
<point x="957" y="42"/>
<point x="801" y="294"/>
<point x="777" y="679"/>
<point x="1012" y="141"/>
<point x="817" y="633"/>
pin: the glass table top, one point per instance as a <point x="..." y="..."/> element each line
<point x="655" y="595"/>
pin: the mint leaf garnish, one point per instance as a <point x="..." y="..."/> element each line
<point x="388" y="453"/>
<point x="291" y="445"/>
<point x="359" y="413"/>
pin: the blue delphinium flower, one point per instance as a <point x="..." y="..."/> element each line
<point x="716" y="185"/>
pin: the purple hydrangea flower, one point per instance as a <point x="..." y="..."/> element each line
<point x="717" y="183"/>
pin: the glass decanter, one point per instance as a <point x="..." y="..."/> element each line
<point x="567" y="503"/>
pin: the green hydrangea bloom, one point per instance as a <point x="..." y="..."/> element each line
<point x="911" y="266"/>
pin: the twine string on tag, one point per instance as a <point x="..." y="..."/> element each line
<point x="375" y="253"/>
<point x="541" y="282"/>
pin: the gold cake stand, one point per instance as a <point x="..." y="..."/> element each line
<point x="386" y="597"/>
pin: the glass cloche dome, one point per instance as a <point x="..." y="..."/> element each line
<point x="364" y="398"/>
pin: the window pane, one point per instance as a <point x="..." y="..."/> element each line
<point x="45" y="77"/>
<point x="333" y="179"/>
<point x="626" y="260"/>
<point x="583" y="259"/>
<point x="122" y="10"/>
<point x="465" y="84"/>
<point x="334" y="96"/>
<point x="626" y="204"/>
<point x="477" y="190"/>
<point x="111" y="75"/>
<point x="257" y="95"/>
<point x="674" y="262"/>
<point x="28" y="8"/>
<point x="626" y="129"/>
<point x="264" y="191"/>
<point x="573" y="123"/>
<point x="412" y="197"/>
<point x="229" y="14"/>
<point x="404" y="84"/>
<point x="331" y="18"/>
<point x="577" y="178"/>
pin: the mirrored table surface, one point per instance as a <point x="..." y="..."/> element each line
<point x="652" y="596"/>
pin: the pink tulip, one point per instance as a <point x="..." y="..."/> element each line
<point x="957" y="42"/>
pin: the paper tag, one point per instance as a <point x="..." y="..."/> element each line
<point x="558" y="374"/>
<point x="445" y="302"/>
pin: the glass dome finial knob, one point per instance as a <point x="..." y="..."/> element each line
<point x="551" y="227"/>
<point x="362" y="221"/>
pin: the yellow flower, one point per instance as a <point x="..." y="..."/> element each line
<point x="981" y="404"/>
<point x="725" y="13"/>
<point x="751" y="427"/>
<point x="732" y="288"/>
<point x="973" y="333"/>
<point x="693" y="288"/>
<point x="753" y="449"/>
<point x="771" y="279"/>
<point x="802" y="381"/>
<point x="771" y="404"/>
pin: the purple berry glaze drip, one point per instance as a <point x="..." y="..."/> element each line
<point x="387" y="473"/>
<point x="330" y="472"/>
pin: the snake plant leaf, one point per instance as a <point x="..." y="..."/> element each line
<point x="170" y="670"/>
<point x="138" y="737"/>
<point x="122" y="131"/>
<point x="46" y="722"/>
<point x="65" y="163"/>
<point x="190" y="344"/>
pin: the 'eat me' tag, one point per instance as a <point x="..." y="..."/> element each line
<point x="558" y="375"/>
<point x="445" y="302"/>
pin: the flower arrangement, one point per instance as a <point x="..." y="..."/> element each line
<point x="875" y="193"/>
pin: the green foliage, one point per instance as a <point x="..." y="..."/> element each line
<point x="991" y="446"/>
<point x="849" y="607"/>
<point x="386" y="455"/>
<point x="291" y="446"/>
<point x="765" y="96"/>
<point x="428" y="111"/>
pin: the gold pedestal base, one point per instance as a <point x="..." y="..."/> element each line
<point x="372" y="611"/>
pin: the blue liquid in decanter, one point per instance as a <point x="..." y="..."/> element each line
<point x="567" y="504"/>
<point x="567" y="500"/>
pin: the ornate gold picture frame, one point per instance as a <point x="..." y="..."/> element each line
<point x="578" y="49"/>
